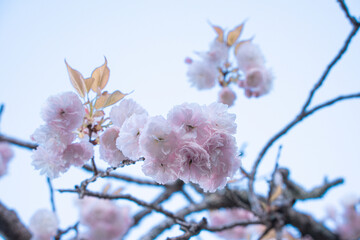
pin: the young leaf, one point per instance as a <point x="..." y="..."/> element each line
<point x="220" y="33"/>
<point x="77" y="80"/>
<point x="114" y="98"/>
<point x="107" y="99"/>
<point x="101" y="77"/>
<point x="100" y="102"/>
<point x="234" y="35"/>
<point x="88" y="83"/>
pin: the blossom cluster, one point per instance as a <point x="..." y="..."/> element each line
<point x="103" y="219"/>
<point x="214" y="66"/>
<point x="6" y="154"/>
<point x="57" y="149"/>
<point x="194" y="143"/>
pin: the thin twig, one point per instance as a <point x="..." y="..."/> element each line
<point x="329" y="67"/>
<point x="235" y="224"/>
<point x="17" y="142"/>
<point x="170" y="189"/>
<point x="303" y="113"/>
<point x="343" y="6"/>
<point x="52" y="200"/>
<point x="126" y="197"/>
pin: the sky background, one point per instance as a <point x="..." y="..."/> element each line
<point x="145" y="43"/>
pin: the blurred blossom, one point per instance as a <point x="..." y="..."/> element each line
<point x="104" y="219"/>
<point x="6" y="154"/>
<point x="43" y="225"/>
<point x="227" y="96"/>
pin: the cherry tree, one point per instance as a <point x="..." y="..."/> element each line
<point x="191" y="152"/>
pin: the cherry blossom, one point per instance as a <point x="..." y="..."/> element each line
<point x="227" y="96"/>
<point x="43" y="225"/>
<point x="78" y="153"/>
<point x="49" y="162"/>
<point x="224" y="217"/>
<point x="6" y="154"/>
<point x="64" y="111"/>
<point x="108" y="150"/>
<point x="158" y="138"/>
<point x="129" y="135"/>
<point x="249" y="55"/>
<point x="104" y="219"/>
<point x="202" y="74"/>
<point x="124" y="110"/>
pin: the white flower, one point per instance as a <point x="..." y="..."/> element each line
<point x="124" y="110"/>
<point x="219" y="117"/>
<point x="49" y="162"/>
<point x="128" y="140"/>
<point x="217" y="54"/>
<point x="52" y="138"/>
<point x="43" y="225"/>
<point x="249" y="55"/>
<point x="202" y="74"/>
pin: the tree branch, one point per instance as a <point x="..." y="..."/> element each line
<point x="303" y="113"/>
<point x="20" y="143"/>
<point x="11" y="226"/>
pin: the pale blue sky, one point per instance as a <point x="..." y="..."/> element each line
<point x="145" y="43"/>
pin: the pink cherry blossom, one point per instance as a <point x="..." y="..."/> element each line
<point x="104" y="219"/>
<point x="108" y="150"/>
<point x="349" y="225"/>
<point x="64" y="111"/>
<point x="191" y="119"/>
<point x="258" y="82"/>
<point x="128" y="140"/>
<point x="224" y="161"/>
<point x="227" y="96"/>
<point x="49" y="162"/>
<point x="124" y="110"/>
<point x="249" y="55"/>
<point x="202" y="74"/>
<point x="218" y="53"/>
<point x="6" y="154"/>
<point x="220" y="118"/>
<point x="224" y="217"/>
<point x="43" y="225"/>
<point x="52" y="138"/>
<point x="78" y="153"/>
<point x="194" y="162"/>
<point x="158" y="138"/>
<point x="162" y="171"/>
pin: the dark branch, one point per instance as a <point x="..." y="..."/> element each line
<point x="20" y="143"/>
<point x="297" y="192"/>
<point x="125" y="178"/>
<point x="51" y="189"/>
<point x="11" y="226"/>
<point x="352" y="20"/>
<point x="299" y="118"/>
<point x="126" y="197"/>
